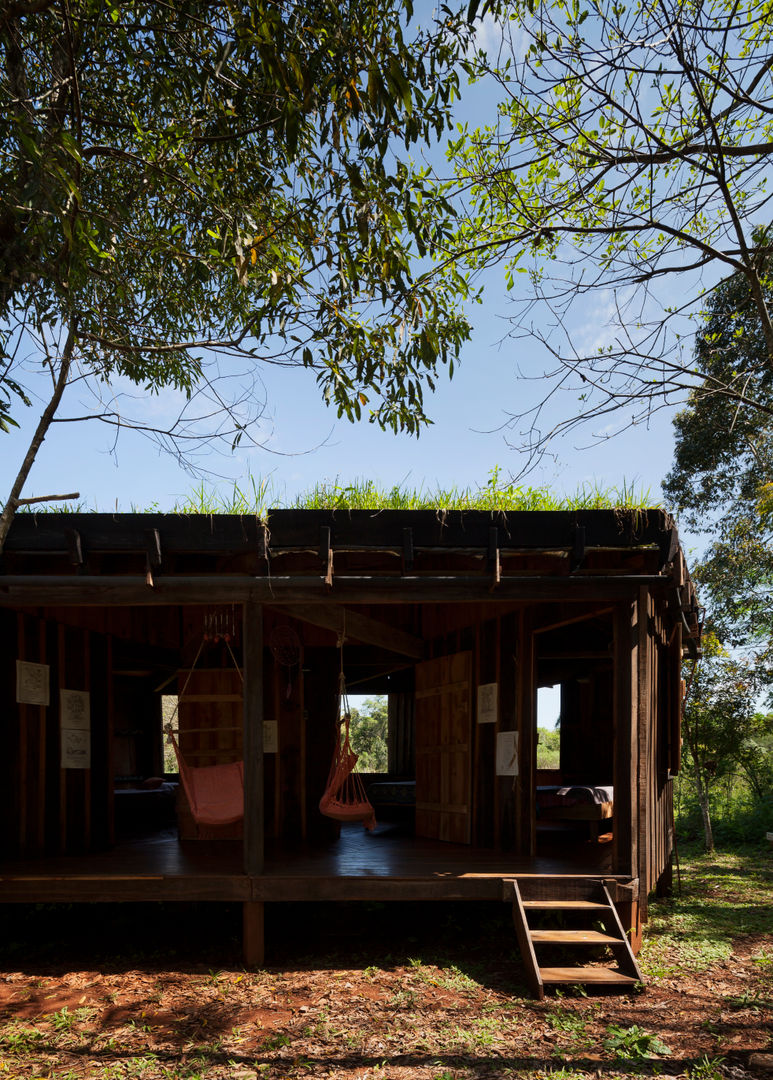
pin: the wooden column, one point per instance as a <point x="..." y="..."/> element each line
<point x="626" y="857"/>
<point x="252" y="615"/>
<point x="645" y="808"/>
<point x="526" y="831"/>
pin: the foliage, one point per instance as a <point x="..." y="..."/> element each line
<point x="189" y="185"/>
<point x="723" y="466"/>
<point x="624" y="175"/>
<point x="633" y="1042"/>
<point x="548" y="748"/>
<point x="255" y="496"/>
<point x="723" y="451"/>
<point x="720" y="726"/>
<point x="496" y="494"/>
<point x="369" y="727"/>
<point x="722" y="896"/>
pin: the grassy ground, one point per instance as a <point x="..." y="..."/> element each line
<point x="384" y="992"/>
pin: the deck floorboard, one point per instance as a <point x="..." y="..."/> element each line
<point x="389" y="863"/>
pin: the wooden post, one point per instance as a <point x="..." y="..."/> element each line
<point x="646" y="802"/>
<point x="252" y="911"/>
<point x="526" y="830"/>
<point x="253" y="933"/>
<point x="626" y="746"/>
<point x="253" y="737"/>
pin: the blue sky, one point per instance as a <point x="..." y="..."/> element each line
<point x="303" y="443"/>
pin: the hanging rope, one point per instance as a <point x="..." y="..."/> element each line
<point x="344" y="798"/>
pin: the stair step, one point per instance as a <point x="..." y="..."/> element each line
<point x="572" y="937"/>
<point x="565" y="905"/>
<point x="597" y="975"/>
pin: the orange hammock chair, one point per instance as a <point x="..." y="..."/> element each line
<point x="344" y="798"/>
<point x="215" y="793"/>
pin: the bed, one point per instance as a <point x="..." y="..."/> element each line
<point x="576" y="802"/>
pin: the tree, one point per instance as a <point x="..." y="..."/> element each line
<point x="628" y="164"/>
<point x="369" y="728"/>
<point x="185" y="186"/>
<point x="723" y="469"/>
<point x="719" y="724"/>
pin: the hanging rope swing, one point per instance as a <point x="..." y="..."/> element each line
<point x="344" y="798"/>
<point x="215" y="793"/>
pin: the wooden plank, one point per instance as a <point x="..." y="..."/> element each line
<point x="63" y="780"/>
<point x="130" y="888"/>
<point x="253" y="933"/>
<point x="252" y="637"/>
<point x="442" y="746"/>
<point x="625" y="857"/>
<point x="564" y="905"/>
<point x="86" y="640"/>
<point x="469" y="529"/>
<point x="360" y="628"/>
<point x="291" y="889"/>
<point x="18" y="590"/>
<point x="526" y="945"/>
<point x="623" y="950"/>
<point x="572" y="937"/>
<point x="527" y="749"/>
<point x="23" y="713"/>
<point x="645" y="720"/>
<point x="589" y="975"/>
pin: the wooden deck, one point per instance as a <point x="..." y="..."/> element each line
<point x="385" y="865"/>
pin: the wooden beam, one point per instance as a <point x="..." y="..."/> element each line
<point x="75" y="547"/>
<point x="252" y="624"/>
<point x="362" y="627"/>
<point x="18" y="590"/>
<point x="407" y="550"/>
<point x="584" y="617"/>
<point x="383" y="531"/>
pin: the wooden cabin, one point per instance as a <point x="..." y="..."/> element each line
<point x="236" y="630"/>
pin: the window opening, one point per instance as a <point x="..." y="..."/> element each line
<point x="369" y="730"/>
<point x="168" y="716"/>
<point x="548" y="727"/>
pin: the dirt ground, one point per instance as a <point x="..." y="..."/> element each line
<point x="383" y="991"/>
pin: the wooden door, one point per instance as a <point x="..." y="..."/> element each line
<point x="443" y="739"/>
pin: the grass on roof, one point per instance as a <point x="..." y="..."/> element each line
<point x="257" y="497"/>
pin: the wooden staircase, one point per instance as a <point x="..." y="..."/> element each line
<point x="579" y="901"/>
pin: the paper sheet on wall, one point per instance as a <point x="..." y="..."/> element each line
<point x="270" y="737"/>
<point x="32" y="683"/>
<point x="507" y="753"/>
<point x="75" y="710"/>
<point x="76" y="749"/>
<point x="487" y="703"/>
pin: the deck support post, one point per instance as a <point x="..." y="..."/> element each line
<point x="253" y="936"/>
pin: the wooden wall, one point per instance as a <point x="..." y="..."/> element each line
<point x="658" y="731"/>
<point x="492" y="637"/>
<point x="49" y="809"/>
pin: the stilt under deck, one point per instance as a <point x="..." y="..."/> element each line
<point x="385" y="865"/>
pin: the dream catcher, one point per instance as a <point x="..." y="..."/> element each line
<point x="287" y="650"/>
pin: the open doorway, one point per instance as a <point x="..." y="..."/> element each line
<point x="575" y="733"/>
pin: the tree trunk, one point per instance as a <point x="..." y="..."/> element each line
<point x="703" y="802"/>
<point x="46" y="419"/>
